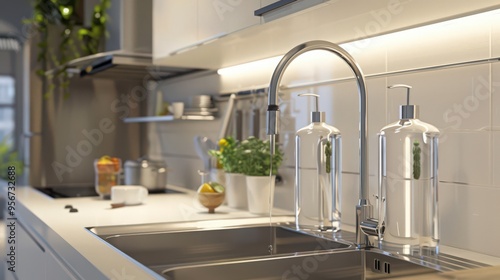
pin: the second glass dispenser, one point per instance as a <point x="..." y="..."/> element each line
<point x="408" y="162"/>
<point x="317" y="174"/>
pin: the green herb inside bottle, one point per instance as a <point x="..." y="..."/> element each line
<point x="328" y="154"/>
<point x="416" y="160"/>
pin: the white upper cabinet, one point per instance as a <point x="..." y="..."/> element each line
<point x="179" y="26"/>
<point x="244" y="37"/>
<point x="175" y="25"/>
<point x="220" y="17"/>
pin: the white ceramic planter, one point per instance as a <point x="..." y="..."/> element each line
<point x="236" y="190"/>
<point x="260" y="191"/>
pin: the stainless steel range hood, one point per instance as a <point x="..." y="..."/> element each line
<point x="123" y="65"/>
<point x="128" y="51"/>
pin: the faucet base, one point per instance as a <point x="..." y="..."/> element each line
<point x="368" y="230"/>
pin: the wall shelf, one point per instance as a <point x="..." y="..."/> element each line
<point x="168" y="118"/>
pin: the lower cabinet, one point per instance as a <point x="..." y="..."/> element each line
<point x="54" y="269"/>
<point x="33" y="259"/>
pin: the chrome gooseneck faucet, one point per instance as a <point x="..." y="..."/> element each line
<point x="363" y="209"/>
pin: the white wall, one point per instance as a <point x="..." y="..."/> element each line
<point x="461" y="101"/>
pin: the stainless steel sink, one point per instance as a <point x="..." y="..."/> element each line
<point x="161" y="250"/>
<point x="239" y="249"/>
<point x="352" y="264"/>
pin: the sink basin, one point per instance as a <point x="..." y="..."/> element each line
<point x="161" y="250"/>
<point x="221" y="249"/>
<point x="353" y="264"/>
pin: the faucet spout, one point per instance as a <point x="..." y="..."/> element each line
<point x="363" y="209"/>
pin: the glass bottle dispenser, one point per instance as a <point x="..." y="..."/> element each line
<point x="408" y="163"/>
<point x="318" y="174"/>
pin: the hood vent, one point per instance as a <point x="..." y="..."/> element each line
<point x="123" y="66"/>
<point x="128" y="54"/>
<point x="117" y="65"/>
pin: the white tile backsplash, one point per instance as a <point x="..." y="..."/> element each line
<point x="175" y="140"/>
<point x="495" y="154"/>
<point x="462" y="102"/>
<point x="495" y="36"/>
<point x="377" y="118"/>
<point x="465" y="158"/>
<point x="350" y="197"/>
<point x="467" y="217"/>
<point x="452" y="100"/>
<point x="372" y="56"/>
<point x="287" y="140"/>
<point x="183" y="171"/>
<point x="344" y="115"/>
<point x="495" y="95"/>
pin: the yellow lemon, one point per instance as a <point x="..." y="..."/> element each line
<point x="206" y="188"/>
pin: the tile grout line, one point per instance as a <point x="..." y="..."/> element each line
<point x="491" y="147"/>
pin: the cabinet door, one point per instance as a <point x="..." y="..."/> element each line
<point x="220" y="17"/>
<point x="54" y="269"/>
<point x="30" y="255"/>
<point x="34" y="260"/>
<point x="175" y="26"/>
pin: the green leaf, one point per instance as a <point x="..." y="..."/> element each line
<point x="40" y="73"/>
<point x="416" y="160"/>
<point x="83" y="31"/>
<point x="8" y="158"/>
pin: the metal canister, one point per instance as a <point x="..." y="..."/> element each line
<point x="151" y="174"/>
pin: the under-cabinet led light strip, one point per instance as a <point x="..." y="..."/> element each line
<point x="250" y="66"/>
<point x="272" y="62"/>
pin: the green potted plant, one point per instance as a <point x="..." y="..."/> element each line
<point x="228" y="155"/>
<point x="8" y="158"/>
<point x="260" y="170"/>
<point x="257" y="157"/>
<point x="230" y="158"/>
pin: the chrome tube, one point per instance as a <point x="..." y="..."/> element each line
<point x="364" y="209"/>
<point x="227" y="117"/>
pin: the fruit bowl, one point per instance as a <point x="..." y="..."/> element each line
<point x="211" y="195"/>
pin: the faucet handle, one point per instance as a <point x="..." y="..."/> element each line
<point x="373" y="227"/>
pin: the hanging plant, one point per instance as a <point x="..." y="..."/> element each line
<point x="91" y="36"/>
<point x="62" y="13"/>
<point x="8" y="157"/>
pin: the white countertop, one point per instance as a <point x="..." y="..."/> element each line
<point x="66" y="232"/>
<point x="65" y="228"/>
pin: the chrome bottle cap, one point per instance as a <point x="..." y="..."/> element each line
<point x="316" y="115"/>
<point x="407" y="111"/>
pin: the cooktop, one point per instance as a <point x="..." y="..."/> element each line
<point x="85" y="191"/>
